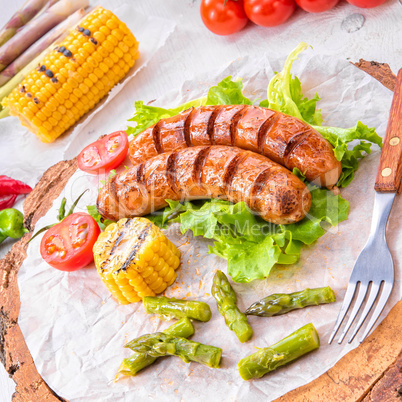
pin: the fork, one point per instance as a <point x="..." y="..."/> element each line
<point x="374" y="268"/>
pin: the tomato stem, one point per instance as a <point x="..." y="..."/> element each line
<point x="61" y="215"/>
<point x="71" y="210"/>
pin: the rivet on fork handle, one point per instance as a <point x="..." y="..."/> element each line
<point x="390" y="168"/>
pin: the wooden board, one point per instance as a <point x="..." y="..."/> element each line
<point x="371" y="372"/>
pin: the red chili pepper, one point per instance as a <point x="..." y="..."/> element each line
<point x="10" y="186"/>
<point x="7" y="201"/>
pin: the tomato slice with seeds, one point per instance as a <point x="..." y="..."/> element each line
<point x="104" y="154"/>
<point x="67" y="246"/>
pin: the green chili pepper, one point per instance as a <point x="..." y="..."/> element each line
<point x="11" y="224"/>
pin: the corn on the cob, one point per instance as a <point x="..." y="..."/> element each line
<point x="135" y="259"/>
<point x="75" y="75"/>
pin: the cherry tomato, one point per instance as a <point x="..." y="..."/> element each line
<point x="317" y="6"/>
<point x="269" y="13"/>
<point x="223" y="18"/>
<point x="105" y="154"/>
<point x="366" y="3"/>
<point x="67" y="246"/>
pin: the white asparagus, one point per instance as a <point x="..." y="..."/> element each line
<point x="20" y="18"/>
<point x="37" y="28"/>
<point x="48" y="4"/>
<point x="40" y="45"/>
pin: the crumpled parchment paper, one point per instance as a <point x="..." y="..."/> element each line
<point x="75" y="330"/>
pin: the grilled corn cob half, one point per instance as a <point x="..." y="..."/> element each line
<point x="74" y="76"/>
<point x="135" y="259"/>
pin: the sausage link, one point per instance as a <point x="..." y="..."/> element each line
<point x="282" y="138"/>
<point x="203" y="172"/>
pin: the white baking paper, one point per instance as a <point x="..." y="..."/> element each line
<point x="75" y="330"/>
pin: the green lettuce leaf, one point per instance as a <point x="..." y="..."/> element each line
<point x="227" y="92"/>
<point x="249" y="244"/>
<point x="103" y="223"/>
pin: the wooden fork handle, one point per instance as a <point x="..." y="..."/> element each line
<point x="389" y="172"/>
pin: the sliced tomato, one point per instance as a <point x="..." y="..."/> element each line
<point x="67" y="246"/>
<point x="105" y="154"/>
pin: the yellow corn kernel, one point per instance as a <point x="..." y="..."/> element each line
<point x="141" y="263"/>
<point x="80" y="65"/>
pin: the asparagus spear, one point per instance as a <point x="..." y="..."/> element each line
<point x="37" y="28"/>
<point x="160" y="344"/>
<point x="20" y="18"/>
<point x="281" y="303"/>
<point x="176" y="308"/>
<point x="136" y="362"/>
<point x="48" y="5"/>
<point x="300" y="342"/>
<point x="226" y="300"/>
<point x="40" y="45"/>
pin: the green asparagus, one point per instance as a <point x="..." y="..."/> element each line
<point x="176" y="308"/>
<point x="281" y="303"/>
<point x="137" y="361"/>
<point x="160" y="344"/>
<point x="226" y="300"/>
<point x="300" y="342"/>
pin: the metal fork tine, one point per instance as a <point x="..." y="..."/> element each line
<point x="386" y="291"/>
<point x="359" y="300"/>
<point x="345" y="306"/>
<point x="375" y="287"/>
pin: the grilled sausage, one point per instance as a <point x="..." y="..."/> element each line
<point x="282" y="138"/>
<point x="202" y="172"/>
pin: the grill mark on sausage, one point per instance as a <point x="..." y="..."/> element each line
<point x="156" y="137"/>
<point x="286" y="200"/>
<point x="199" y="164"/>
<point x="211" y="124"/>
<point x="294" y="142"/>
<point x="113" y="195"/>
<point x="264" y="130"/>
<point x="258" y="185"/>
<point x="232" y="167"/>
<point x="186" y="127"/>
<point x="235" y="122"/>
<point x="141" y="173"/>
<point x="170" y="171"/>
<point x="102" y="211"/>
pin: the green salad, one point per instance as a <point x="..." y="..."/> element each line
<point x="249" y="244"/>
